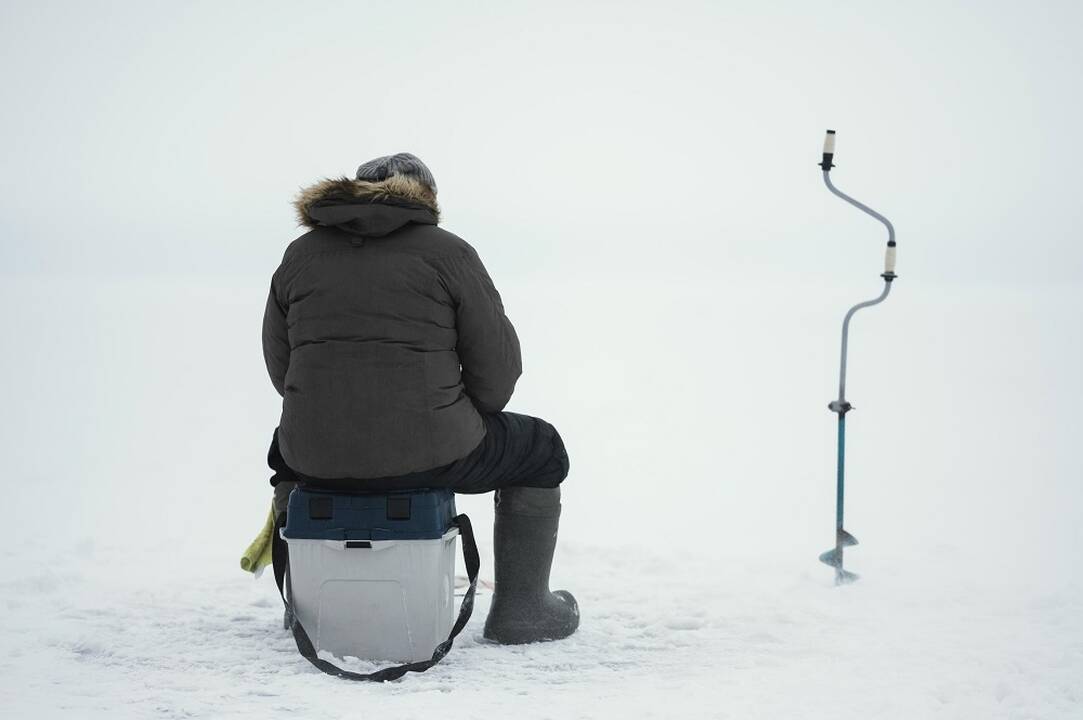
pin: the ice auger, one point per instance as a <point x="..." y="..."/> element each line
<point x="841" y="406"/>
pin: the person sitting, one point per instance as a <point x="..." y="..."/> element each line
<point x="389" y="344"/>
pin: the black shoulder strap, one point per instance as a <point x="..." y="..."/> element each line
<point x="280" y="560"/>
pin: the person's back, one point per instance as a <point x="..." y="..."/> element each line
<point x="389" y="344"/>
<point x="383" y="308"/>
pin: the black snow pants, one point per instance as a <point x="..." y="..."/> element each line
<point x="517" y="451"/>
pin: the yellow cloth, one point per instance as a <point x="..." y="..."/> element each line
<point x="258" y="554"/>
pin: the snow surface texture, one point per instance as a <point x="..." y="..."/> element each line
<point x="709" y="635"/>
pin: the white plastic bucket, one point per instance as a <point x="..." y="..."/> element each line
<point x="385" y="600"/>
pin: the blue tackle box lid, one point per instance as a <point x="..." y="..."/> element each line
<point x="315" y="514"/>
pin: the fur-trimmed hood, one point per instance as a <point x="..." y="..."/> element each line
<point x="367" y="208"/>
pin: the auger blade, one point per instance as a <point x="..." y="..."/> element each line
<point x="844" y="539"/>
<point x="832" y="557"/>
<point x="844" y="577"/>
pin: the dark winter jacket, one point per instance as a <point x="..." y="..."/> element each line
<point x="384" y="335"/>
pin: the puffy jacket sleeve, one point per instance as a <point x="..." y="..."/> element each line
<point x="487" y="346"/>
<point x="276" y="343"/>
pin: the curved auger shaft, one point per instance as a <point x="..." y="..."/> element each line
<point x="834" y="557"/>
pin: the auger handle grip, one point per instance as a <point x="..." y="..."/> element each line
<point x="829" y="150"/>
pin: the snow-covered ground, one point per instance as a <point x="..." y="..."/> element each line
<point x="691" y="547"/>
<point x="666" y="633"/>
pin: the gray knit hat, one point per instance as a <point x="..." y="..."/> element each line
<point x="398" y="164"/>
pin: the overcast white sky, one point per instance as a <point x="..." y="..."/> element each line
<point x="168" y="137"/>
<point x="640" y="179"/>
